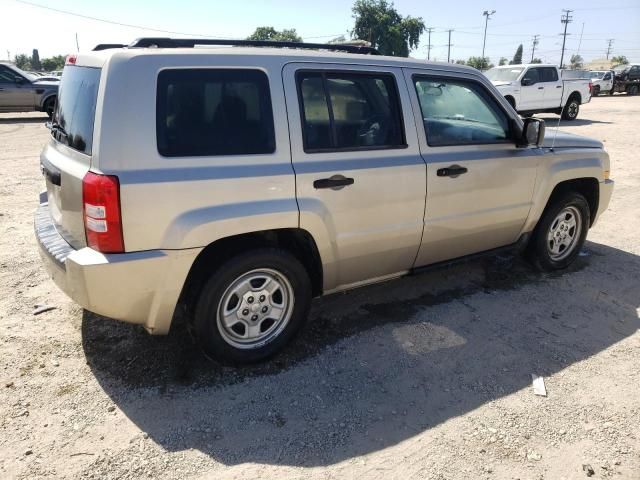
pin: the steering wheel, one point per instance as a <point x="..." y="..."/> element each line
<point x="373" y="131"/>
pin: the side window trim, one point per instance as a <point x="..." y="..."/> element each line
<point x="494" y="105"/>
<point x="324" y="73"/>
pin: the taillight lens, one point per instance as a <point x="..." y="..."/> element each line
<point x="101" y="211"/>
<point x="70" y="60"/>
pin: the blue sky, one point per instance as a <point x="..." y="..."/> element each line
<point x="25" y="27"/>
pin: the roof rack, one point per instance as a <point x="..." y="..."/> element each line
<point x="107" y="46"/>
<point x="160" y="42"/>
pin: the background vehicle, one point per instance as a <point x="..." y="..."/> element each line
<point x="602" y="81"/>
<point x="249" y="180"/>
<point x="540" y="88"/>
<point x="627" y="79"/>
<point x="24" y="92"/>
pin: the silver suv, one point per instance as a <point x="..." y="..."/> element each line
<point x="22" y="91"/>
<point x="242" y="182"/>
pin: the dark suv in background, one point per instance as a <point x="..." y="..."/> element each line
<point x="21" y="91"/>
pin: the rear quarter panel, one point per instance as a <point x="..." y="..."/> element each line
<point x="186" y="202"/>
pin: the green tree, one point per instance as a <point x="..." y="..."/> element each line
<point x="536" y="60"/>
<point x="53" y="63"/>
<point x="503" y="61"/>
<point x="378" y="22"/>
<point x="22" y="61"/>
<point x="35" y="60"/>
<point x="480" y="63"/>
<point x="576" y="62"/>
<point x="270" y="33"/>
<point x="619" y="60"/>
<point x="461" y="62"/>
<point x="517" y="57"/>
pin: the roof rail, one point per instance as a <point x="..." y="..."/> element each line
<point x="107" y="46"/>
<point x="159" y="42"/>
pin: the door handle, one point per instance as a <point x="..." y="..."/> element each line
<point x="335" y="182"/>
<point x="558" y="86"/>
<point x="540" y="88"/>
<point x="452" y="171"/>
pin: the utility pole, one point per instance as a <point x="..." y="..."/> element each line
<point x="429" y="30"/>
<point x="449" y="47"/>
<point x="533" y="47"/>
<point x="487" y="15"/>
<point x="609" y="47"/>
<point x="580" y="42"/>
<point x="566" y="19"/>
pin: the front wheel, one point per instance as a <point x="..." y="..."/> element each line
<point x="571" y="109"/>
<point x="252" y="306"/>
<point x="49" y="106"/>
<point x="560" y="233"/>
<point x="633" y="90"/>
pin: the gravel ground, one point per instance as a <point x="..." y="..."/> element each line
<point x="424" y="377"/>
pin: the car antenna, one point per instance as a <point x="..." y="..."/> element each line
<point x="556" y="133"/>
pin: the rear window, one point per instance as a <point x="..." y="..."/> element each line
<point x="205" y="112"/>
<point x="76" y="109"/>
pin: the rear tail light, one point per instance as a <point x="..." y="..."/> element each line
<point x="590" y="87"/>
<point x="70" y="60"/>
<point x="101" y="211"/>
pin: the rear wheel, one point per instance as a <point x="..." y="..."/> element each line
<point x="596" y="90"/>
<point x="560" y="233"/>
<point x="632" y="90"/>
<point x="571" y="109"/>
<point x="49" y="106"/>
<point x="252" y="306"/>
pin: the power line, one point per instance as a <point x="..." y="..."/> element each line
<point x="566" y="19"/>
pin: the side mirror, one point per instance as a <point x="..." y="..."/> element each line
<point x="526" y="82"/>
<point x="532" y="132"/>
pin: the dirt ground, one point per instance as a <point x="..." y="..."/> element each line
<point x="425" y="377"/>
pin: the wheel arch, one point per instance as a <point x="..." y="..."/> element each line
<point x="299" y="242"/>
<point x="588" y="187"/>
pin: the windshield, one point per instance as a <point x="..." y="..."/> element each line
<point x="503" y="74"/>
<point x="73" y="121"/>
<point x="596" y="74"/>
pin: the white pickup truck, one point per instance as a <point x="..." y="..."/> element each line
<point x="538" y="88"/>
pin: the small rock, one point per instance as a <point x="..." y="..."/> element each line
<point x="111" y="408"/>
<point x="28" y="452"/>
<point x="8" y="384"/>
<point x="534" y="457"/>
<point x="588" y="469"/>
<point x="55" y="363"/>
<point x="492" y="430"/>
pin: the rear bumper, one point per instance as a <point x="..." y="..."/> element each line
<point x="140" y="287"/>
<point x="606" y="190"/>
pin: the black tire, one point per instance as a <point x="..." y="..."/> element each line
<point x="596" y="90"/>
<point x="538" y="249"/>
<point x="49" y="106"/>
<point x="632" y="90"/>
<point x="207" y="328"/>
<point x="571" y="109"/>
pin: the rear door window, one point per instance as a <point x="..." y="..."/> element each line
<point x="549" y="74"/>
<point x="349" y="111"/>
<point x="206" y="112"/>
<point x="76" y="110"/>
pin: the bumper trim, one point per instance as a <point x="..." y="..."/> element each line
<point x="51" y="242"/>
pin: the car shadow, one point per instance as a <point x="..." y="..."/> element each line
<point x="551" y="122"/>
<point x="374" y="366"/>
<point x="15" y="120"/>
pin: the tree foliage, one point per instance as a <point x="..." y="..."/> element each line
<point x="35" y="60"/>
<point x="620" y="60"/>
<point x="270" y="33"/>
<point x="517" y="57"/>
<point x="536" y="60"/>
<point x="378" y="22"/>
<point x="503" y="61"/>
<point x="480" y="63"/>
<point x="22" y="61"/>
<point x="576" y="62"/>
<point x="53" y="63"/>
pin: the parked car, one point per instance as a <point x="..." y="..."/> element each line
<point x="235" y="184"/>
<point x="21" y="91"/>
<point x="539" y="88"/>
<point x="602" y="81"/>
<point x="627" y="79"/>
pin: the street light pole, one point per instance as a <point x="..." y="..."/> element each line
<point x="487" y="15"/>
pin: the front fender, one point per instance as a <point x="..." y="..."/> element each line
<point x="560" y="166"/>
